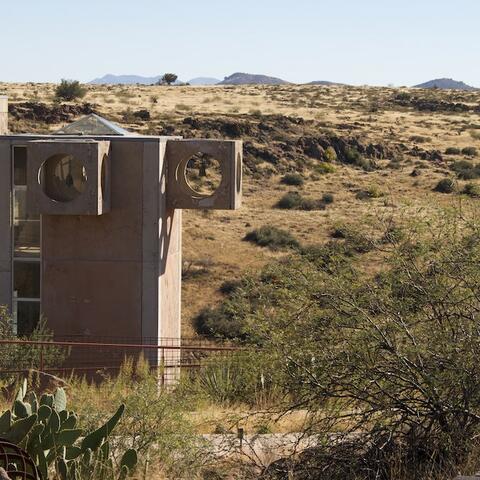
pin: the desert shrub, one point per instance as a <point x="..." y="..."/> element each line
<point x="446" y="185"/>
<point x="294" y="179"/>
<point x="356" y="241"/>
<point x="142" y="114"/>
<point x="155" y="421"/>
<point x="392" y="355"/>
<point x="470" y="151"/>
<point x="419" y="139"/>
<point x="403" y="97"/>
<point x="330" y="155"/>
<point x="310" y="204"/>
<point x="244" y="377"/>
<point x="272" y="237"/>
<point x="290" y="201"/>
<point x="371" y="192"/>
<point x="452" y="151"/>
<point x="295" y="201"/>
<point x="221" y="322"/>
<point x="70" y="90"/>
<point x="465" y="170"/>
<point x="327" y="198"/>
<point x="323" y="168"/>
<point x="472" y="190"/>
<point x="229" y="286"/>
<point x="27" y="357"/>
<point x="354" y="157"/>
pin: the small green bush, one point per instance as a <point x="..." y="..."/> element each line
<point x="354" y="157"/>
<point x="70" y="90"/>
<point x="371" y="192"/>
<point x="419" y="139"/>
<point x="295" y="201"/>
<point x="327" y="198"/>
<point x="294" y="179"/>
<point x="230" y="286"/>
<point x="403" y="97"/>
<point x="290" y="201"/>
<point x="452" y="151"/>
<point x="470" y="151"/>
<point x="272" y="237"/>
<point x="472" y="190"/>
<point x="323" y="168"/>
<point x="466" y="170"/>
<point x="330" y="155"/>
<point x="446" y="185"/>
<point x="220" y="322"/>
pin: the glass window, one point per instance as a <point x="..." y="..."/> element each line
<point x="20" y="206"/>
<point x="26" y="238"/>
<point x="20" y="165"/>
<point x="26" y="281"/>
<point x="28" y="315"/>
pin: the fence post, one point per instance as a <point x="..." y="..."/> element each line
<point x="41" y="358"/>
<point x="162" y="363"/>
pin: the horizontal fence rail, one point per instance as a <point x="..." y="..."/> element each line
<point x="172" y="357"/>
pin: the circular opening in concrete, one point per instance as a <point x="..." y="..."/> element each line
<point x="63" y="177"/>
<point x="203" y="174"/>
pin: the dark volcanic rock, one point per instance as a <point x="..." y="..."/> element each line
<point x="50" y="114"/>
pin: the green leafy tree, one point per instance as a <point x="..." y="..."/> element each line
<point x="169" y="78"/>
<point x="389" y="359"/>
<point x="70" y="90"/>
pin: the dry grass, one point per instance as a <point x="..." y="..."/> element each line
<point x="214" y="239"/>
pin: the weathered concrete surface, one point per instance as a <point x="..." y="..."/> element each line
<point x="93" y="156"/>
<point x="263" y="449"/>
<point x="3" y="115"/>
<point x="5" y="224"/>
<point x="228" y="195"/>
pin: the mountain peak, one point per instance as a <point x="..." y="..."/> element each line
<point x="240" y="78"/>
<point x="445" y="83"/>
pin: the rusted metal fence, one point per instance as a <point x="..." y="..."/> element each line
<point x="106" y="355"/>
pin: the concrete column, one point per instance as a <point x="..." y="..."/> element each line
<point x="5" y="225"/>
<point x="3" y="115"/>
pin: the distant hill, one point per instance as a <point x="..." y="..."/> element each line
<point x="445" y="83"/>
<point x="324" y="82"/>
<point x="203" y="81"/>
<point x="249" y="79"/>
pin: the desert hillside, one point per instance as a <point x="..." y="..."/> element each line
<point x="360" y="154"/>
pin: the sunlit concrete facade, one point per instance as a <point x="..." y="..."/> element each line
<point x="90" y="229"/>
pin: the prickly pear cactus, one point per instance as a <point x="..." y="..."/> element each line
<point x="46" y="430"/>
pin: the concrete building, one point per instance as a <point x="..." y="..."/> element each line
<point x="90" y="226"/>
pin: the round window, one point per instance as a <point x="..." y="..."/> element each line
<point x="63" y="177"/>
<point x="203" y="174"/>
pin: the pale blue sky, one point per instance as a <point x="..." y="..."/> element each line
<point x="373" y="42"/>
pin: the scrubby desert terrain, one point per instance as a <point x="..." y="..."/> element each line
<point x="390" y="153"/>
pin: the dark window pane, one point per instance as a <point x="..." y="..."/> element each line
<point x="28" y="315"/>
<point x="26" y="279"/>
<point x="26" y="238"/>
<point x="20" y="165"/>
<point x="20" y="206"/>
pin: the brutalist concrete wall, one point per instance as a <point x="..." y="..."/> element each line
<point x="5" y="224"/>
<point x="117" y="274"/>
<point x="3" y="115"/>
